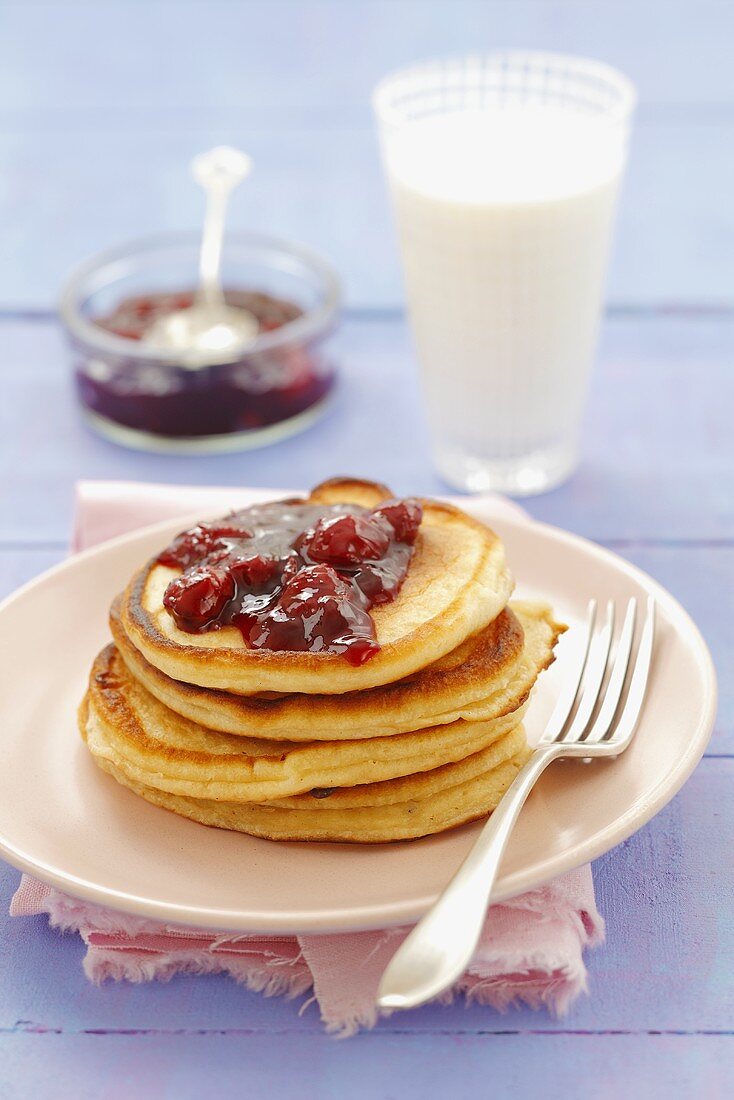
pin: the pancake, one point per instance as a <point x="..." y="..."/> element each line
<point x="488" y="675"/>
<point x="155" y="747"/>
<point x="457" y="583"/>
<point x="454" y="795"/>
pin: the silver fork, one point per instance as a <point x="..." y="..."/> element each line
<point x="593" y="716"/>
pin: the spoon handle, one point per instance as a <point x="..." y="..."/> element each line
<point x="219" y="171"/>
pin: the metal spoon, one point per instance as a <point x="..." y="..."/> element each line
<point x="209" y="328"/>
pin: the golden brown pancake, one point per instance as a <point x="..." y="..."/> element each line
<point x="416" y="806"/>
<point x="154" y="746"/>
<point x="488" y="675"/>
<point x="457" y="583"/>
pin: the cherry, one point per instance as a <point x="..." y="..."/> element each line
<point x="314" y="582"/>
<point x="404" y="516"/>
<point x="199" y="542"/>
<point x="198" y="597"/>
<point x="255" y="571"/>
<point x="315" y="605"/>
<point x="349" y="540"/>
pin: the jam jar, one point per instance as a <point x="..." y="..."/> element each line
<point x="150" y="398"/>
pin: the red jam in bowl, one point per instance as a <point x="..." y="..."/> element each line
<point x="293" y="575"/>
<point x="264" y="388"/>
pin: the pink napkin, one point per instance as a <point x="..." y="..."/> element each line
<point x="531" y="949"/>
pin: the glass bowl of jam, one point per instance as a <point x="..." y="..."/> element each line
<point x="153" y="399"/>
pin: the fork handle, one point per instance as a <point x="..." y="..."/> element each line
<point x="438" y="950"/>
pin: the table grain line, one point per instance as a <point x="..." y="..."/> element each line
<point x="320" y="116"/>
<point x="27" y="1027"/>
<point x="678" y="309"/>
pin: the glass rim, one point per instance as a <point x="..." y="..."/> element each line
<point x="434" y="68"/>
<point x="77" y="286"/>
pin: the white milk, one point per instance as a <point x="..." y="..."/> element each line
<point x="504" y="218"/>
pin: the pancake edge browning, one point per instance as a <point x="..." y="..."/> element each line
<point x="435" y="695"/>
<point x="246" y="671"/>
<point x="121" y="718"/>
<point x="467" y="679"/>
<point x="473" y="798"/>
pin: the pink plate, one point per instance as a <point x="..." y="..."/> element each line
<point x="67" y="823"/>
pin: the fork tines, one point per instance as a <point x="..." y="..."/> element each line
<point x="603" y="699"/>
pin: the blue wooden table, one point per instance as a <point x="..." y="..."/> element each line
<point x="101" y="105"/>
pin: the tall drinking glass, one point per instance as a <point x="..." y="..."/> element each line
<point x="504" y="171"/>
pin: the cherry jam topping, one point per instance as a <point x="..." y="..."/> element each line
<point x="133" y="317"/>
<point x="263" y="388"/>
<point x="294" y="576"/>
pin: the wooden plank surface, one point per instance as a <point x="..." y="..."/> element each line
<point x="657" y="450"/>
<point x="96" y="131"/>
<point x="256" y="44"/>
<point x="398" y="1067"/>
<point x="344" y="215"/>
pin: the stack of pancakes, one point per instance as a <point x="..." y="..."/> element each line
<point x="425" y="735"/>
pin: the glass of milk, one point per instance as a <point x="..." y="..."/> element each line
<point x="504" y="171"/>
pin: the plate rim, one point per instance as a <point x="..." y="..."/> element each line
<point x="370" y="916"/>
